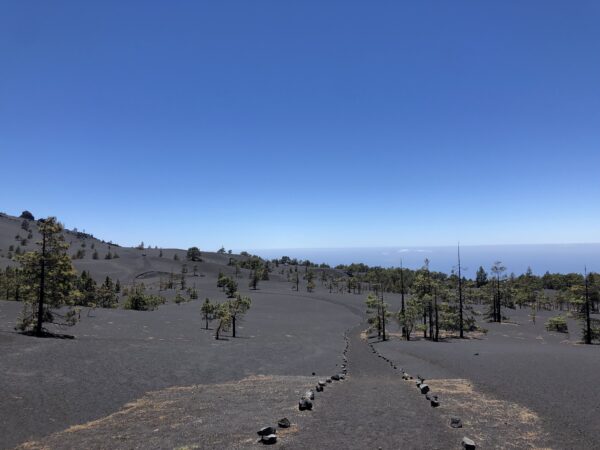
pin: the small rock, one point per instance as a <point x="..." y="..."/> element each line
<point x="269" y="439"/>
<point x="314" y="374"/>
<point x="455" y="422"/>
<point x="328" y="380"/>
<point x="305" y="404"/>
<point x="319" y="388"/>
<point x="342" y="376"/>
<point x="321" y="383"/>
<point x="435" y="402"/>
<point x="266" y="431"/>
<point x="309" y="395"/>
<point x="423" y="388"/>
<point x="284" y="423"/>
<point x="468" y="444"/>
<point x="335" y="377"/>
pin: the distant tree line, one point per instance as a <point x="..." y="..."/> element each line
<point x="444" y="303"/>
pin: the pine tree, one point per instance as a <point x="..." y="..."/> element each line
<point x="207" y="309"/>
<point x="378" y="313"/>
<point x="264" y="273"/>
<point x="223" y="314"/>
<point x="481" y="277"/>
<point x="254" y="279"/>
<point x="231" y="287"/>
<point x="408" y="319"/>
<point x="237" y="308"/>
<point x="193" y="254"/>
<point x="48" y="276"/>
<point x="497" y="269"/>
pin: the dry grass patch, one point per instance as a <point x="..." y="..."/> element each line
<point x="491" y="422"/>
<point x="223" y="415"/>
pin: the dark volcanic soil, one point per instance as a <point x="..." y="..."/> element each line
<point x="519" y="362"/>
<point x="117" y="356"/>
<point x="372" y="408"/>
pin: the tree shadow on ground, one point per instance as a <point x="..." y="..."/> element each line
<point x="46" y="334"/>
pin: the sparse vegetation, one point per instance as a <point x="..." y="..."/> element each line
<point x="558" y="324"/>
<point x="138" y="300"/>
<point x="208" y="311"/>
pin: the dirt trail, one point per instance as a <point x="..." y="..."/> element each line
<point x="372" y="408"/>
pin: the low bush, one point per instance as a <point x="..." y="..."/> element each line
<point x="558" y="324"/>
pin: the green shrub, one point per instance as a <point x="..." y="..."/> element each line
<point x="558" y="324"/>
<point x="138" y="300"/>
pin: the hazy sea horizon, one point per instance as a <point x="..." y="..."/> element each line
<point x="560" y="258"/>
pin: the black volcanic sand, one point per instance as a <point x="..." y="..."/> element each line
<point x="549" y="374"/>
<point x="117" y="356"/>
<point x="524" y="388"/>
<point x="372" y="408"/>
<point x="216" y="416"/>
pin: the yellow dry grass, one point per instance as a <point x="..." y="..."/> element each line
<point x="488" y="417"/>
<point x="198" y="411"/>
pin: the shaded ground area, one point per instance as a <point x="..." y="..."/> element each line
<point x="519" y="362"/>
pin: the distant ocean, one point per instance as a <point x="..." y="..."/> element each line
<point x="562" y="258"/>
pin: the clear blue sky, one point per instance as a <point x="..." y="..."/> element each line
<point x="267" y="124"/>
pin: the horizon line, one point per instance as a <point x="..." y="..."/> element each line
<point x="420" y="246"/>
